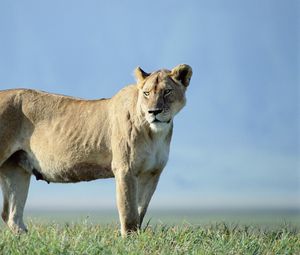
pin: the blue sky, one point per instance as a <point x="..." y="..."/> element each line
<point x="235" y="144"/>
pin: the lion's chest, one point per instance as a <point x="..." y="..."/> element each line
<point x="155" y="156"/>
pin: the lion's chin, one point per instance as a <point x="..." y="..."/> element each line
<point x="159" y="126"/>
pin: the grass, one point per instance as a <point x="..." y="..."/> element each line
<point x="87" y="238"/>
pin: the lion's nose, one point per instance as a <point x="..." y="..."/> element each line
<point x="155" y="111"/>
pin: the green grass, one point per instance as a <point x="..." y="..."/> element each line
<point x="87" y="238"/>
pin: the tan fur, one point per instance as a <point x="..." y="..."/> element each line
<point x="64" y="139"/>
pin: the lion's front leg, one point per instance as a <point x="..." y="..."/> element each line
<point x="147" y="183"/>
<point x="126" y="189"/>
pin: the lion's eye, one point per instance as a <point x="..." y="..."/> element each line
<point x="146" y="94"/>
<point x="167" y="92"/>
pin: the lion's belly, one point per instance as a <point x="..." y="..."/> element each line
<point x="73" y="157"/>
<point x="79" y="172"/>
<point x="72" y="172"/>
<point x="70" y="167"/>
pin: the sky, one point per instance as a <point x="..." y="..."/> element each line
<point x="235" y="144"/>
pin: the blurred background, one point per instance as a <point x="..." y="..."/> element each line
<point x="236" y="143"/>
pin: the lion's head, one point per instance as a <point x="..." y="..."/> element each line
<point x="162" y="94"/>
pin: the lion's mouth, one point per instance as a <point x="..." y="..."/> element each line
<point x="159" y="121"/>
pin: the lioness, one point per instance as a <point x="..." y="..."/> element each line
<point x="63" y="139"/>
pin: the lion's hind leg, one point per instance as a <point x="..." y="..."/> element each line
<point x="15" y="182"/>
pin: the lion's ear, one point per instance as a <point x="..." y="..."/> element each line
<point x="182" y="73"/>
<point x="140" y="74"/>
